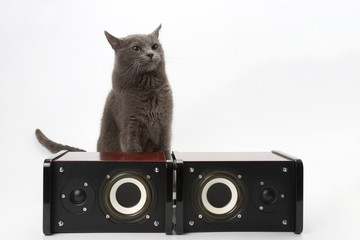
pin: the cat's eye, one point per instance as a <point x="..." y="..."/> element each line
<point x="155" y="46"/>
<point x="136" y="49"/>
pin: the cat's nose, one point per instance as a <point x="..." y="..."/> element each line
<point x="150" y="55"/>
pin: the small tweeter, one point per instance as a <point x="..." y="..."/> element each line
<point x="268" y="196"/>
<point x="219" y="196"/>
<point x="127" y="197"/>
<point x="77" y="195"/>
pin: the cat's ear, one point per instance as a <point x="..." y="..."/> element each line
<point x="156" y="32"/>
<point x="114" y="42"/>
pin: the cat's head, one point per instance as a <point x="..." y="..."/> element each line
<point x="137" y="53"/>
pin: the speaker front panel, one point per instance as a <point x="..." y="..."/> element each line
<point x="108" y="196"/>
<point x="105" y="192"/>
<point x="238" y="196"/>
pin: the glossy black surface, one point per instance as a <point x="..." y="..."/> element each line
<point x="269" y="193"/>
<point x="299" y="195"/>
<point x="66" y="209"/>
<point x="169" y="201"/>
<point x="47" y="194"/>
<point x="179" y="201"/>
<point x="272" y="192"/>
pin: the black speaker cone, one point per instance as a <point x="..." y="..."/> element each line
<point x="219" y="196"/>
<point x="127" y="196"/>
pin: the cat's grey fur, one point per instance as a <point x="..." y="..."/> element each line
<point x="138" y="111"/>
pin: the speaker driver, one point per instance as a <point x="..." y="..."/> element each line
<point x="219" y="196"/>
<point x="78" y="196"/>
<point x="268" y="196"/>
<point x="127" y="196"/>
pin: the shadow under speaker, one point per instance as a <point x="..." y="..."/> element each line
<point x="238" y="192"/>
<point x="104" y="192"/>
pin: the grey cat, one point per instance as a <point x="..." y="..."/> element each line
<point x="138" y="111"/>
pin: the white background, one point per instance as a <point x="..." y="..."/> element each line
<point x="246" y="76"/>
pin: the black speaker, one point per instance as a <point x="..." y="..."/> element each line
<point x="238" y="192"/>
<point x="191" y="192"/>
<point x="106" y="192"/>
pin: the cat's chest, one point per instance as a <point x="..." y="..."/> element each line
<point x="150" y="103"/>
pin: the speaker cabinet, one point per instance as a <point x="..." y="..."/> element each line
<point x="238" y="192"/>
<point x="191" y="192"/>
<point x="105" y="192"/>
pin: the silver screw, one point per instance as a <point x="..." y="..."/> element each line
<point x="147" y="216"/>
<point x="191" y="170"/>
<point x="157" y="170"/>
<point x="285" y="169"/>
<point x="148" y="177"/>
<point x="61" y="169"/>
<point x="191" y="223"/>
<point x="284" y="222"/>
<point x="262" y="183"/>
<point x="108" y="176"/>
<point x="239" y="176"/>
<point x="200" y="176"/>
<point x="85" y="184"/>
<point x="107" y="216"/>
<point x="261" y="208"/>
<point x="84" y="209"/>
<point x="282" y="195"/>
<point x="156" y="223"/>
<point x="63" y="196"/>
<point x="239" y="216"/>
<point x="61" y="223"/>
<point x="200" y="216"/>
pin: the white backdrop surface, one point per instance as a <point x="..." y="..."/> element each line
<point x="246" y="76"/>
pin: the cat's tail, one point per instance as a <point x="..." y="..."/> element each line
<point x="53" y="146"/>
